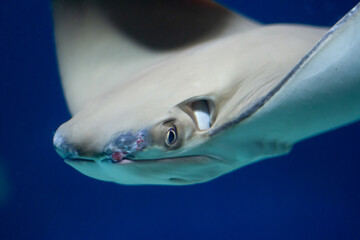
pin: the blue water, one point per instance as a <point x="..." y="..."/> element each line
<point x="313" y="193"/>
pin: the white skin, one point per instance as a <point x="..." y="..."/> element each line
<point x="147" y="131"/>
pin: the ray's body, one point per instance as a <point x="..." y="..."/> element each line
<point x="181" y="92"/>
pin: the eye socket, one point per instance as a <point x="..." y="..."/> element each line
<point x="171" y="137"/>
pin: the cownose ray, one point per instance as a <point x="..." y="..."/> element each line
<point x="154" y="105"/>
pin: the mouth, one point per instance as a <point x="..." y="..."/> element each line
<point x="140" y="161"/>
<point x="78" y="160"/>
<point x="106" y="159"/>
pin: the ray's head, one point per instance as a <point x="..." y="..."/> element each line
<point x="150" y="145"/>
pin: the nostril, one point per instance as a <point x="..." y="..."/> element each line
<point x="63" y="148"/>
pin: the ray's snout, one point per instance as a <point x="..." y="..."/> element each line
<point x="64" y="149"/>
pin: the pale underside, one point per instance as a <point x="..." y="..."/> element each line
<point x="263" y="101"/>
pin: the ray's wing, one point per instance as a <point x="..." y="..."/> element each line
<point x="321" y="93"/>
<point x="101" y="44"/>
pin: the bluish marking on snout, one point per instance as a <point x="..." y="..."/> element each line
<point x="63" y="148"/>
<point x="128" y="142"/>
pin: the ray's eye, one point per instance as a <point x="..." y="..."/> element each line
<point x="170" y="138"/>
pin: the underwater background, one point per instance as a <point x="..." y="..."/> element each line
<point x="312" y="193"/>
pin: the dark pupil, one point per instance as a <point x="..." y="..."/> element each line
<point x="171" y="136"/>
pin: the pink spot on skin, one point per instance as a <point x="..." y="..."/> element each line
<point x="138" y="142"/>
<point x="117" y="156"/>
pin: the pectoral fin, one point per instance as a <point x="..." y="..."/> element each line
<point x="102" y="44"/>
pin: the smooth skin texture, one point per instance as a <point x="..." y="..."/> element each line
<point x="190" y="113"/>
